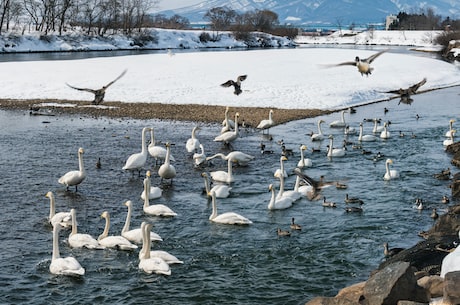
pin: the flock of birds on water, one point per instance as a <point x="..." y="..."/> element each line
<point x="218" y="183"/>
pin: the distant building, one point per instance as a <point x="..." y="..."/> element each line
<point x="389" y="20"/>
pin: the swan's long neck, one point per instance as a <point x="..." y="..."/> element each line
<point x="128" y="220"/>
<point x="144" y="150"/>
<point x="360" y="132"/>
<point x="270" y="116"/>
<point x="152" y="137"/>
<point x="319" y="128"/>
<point x="144" y="241"/>
<point x="74" y="222"/>
<point x="80" y="162"/>
<point x="214" y="207"/>
<point x="216" y="155"/>
<point x="230" y="168"/>
<point x="56" y="253"/>
<point x="331" y="145"/>
<point x="236" y="124"/>
<point x="206" y="184"/>
<point x="193" y="133"/>
<point x="297" y="184"/>
<point x="148" y="241"/>
<point x="302" y="158"/>
<point x="52" y="205"/>
<point x="106" y="228"/>
<point x="343" y="116"/>
<point x="272" y="199"/>
<point x="146" y="191"/>
<point x="387" y="167"/>
<point x="281" y="190"/>
<point x="168" y="155"/>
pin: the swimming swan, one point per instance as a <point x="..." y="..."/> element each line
<point x="451" y="128"/>
<point x="303" y="162"/>
<point x="221" y="190"/>
<point x="339" y="123"/>
<point x="150" y="264"/>
<point x="227" y="124"/>
<point x="114" y="241"/>
<point x="135" y="235"/>
<point x="138" y="160"/>
<point x="236" y="156"/>
<point x="281" y="169"/>
<point x="63" y="218"/>
<point x="365" y="138"/>
<point x="157" y="152"/>
<point x="75" y="177"/>
<point x="63" y="265"/>
<point x="390" y="174"/>
<point x="229" y="136"/>
<point x="267" y="123"/>
<point x="294" y="195"/>
<point x="155" y="191"/>
<point x="230" y="218"/>
<point x="278" y="204"/>
<point x="318" y="136"/>
<point x="385" y="134"/>
<point x="154" y="209"/>
<point x="449" y="141"/>
<point x="334" y="152"/>
<point x="224" y="176"/>
<point x="199" y="158"/>
<point x="166" y="256"/>
<point x="167" y="170"/>
<point x="81" y="240"/>
<point x="193" y="144"/>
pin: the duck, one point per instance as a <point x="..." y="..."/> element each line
<point x="224" y="176"/>
<point x="238" y="157"/>
<point x="349" y="130"/>
<point x="389" y="252"/>
<point x="137" y="161"/>
<point x="434" y="214"/>
<point x="164" y="255"/>
<point x="353" y="210"/>
<point x="353" y="199"/>
<point x="167" y="170"/>
<point x="230" y="218"/>
<point x="98" y="163"/>
<point x="236" y="84"/>
<point x="155" y="192"/>
<point x="334" y="152"/>
<point x="443" y="175"/>
<point x="318" y="136"/>
<point x="328" y="204"/>
<point x="221" y="190"/>
<point x="99" y="94"/>
<point x="283" y="232"/>
<point x="365" y="138"/>
<point x="363" y="64"/>
<point x="295" y="226"/>
<point x="304" y="162"/>
<point x="267" y="123"/>
<point x="63" y="265"/>
<point x="62" y="218"/>
<point x="451" y="125"/>
<point x="135" y="235"/>
<point x="147" y="263"/>
<point x="114" y="241"/>
<point x="419" y="204"/>
<point x="154" y="209"/>
<point x="156" y="151"/>
<point x="385" y="134"/>
<point x="390" y="174"/>
<point x="405" y="94"/>
<point x="75" y="177"/>
<point x="81" y="240"/>
<point x="193" y="144"/>
<point x="199" y="157"/>
<point x="445" y="199"/>
<point x="339" y="123"/>
<point x="278" y="203"/>
<point x="229" y="136"/>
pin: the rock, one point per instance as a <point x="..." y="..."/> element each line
<point x="452" y="288"/>
<point x="322" y="301"/>
<point x="393" y="283"/>
<point x="434" y="284"/>
<point x="410" y="303"/>
<point x="455" y="185"/>
<point x="353" y="293"/>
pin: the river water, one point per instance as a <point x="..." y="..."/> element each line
<point x="222" y="263"/>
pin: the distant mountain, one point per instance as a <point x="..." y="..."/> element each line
<point x="324" y="11"/>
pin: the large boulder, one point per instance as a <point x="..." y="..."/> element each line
<point x="452" y="288"/>
<point x="393" y="283"/>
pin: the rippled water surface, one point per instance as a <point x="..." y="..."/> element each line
<point x="229" y="264"/>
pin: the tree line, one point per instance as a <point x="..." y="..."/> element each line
<point x="424" y="20"/>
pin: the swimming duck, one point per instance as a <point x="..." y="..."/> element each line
<point x="283" y="233"/>
<point x="236" y="84"/>
<point x="295" y="226"/>
<point x="328" y="204"/>
<point x="389" y="252"/>
<point x="363" y="65"/>
<point x="353" y="199"/>
<point x="98" y="93"/>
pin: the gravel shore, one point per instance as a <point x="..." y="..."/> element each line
<point x="196" y="113"/>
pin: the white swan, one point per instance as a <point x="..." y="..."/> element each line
<point x="451" y="128"/>
<point x="199" y="158"/>
<point x="135" y="235"/>
<point x="377" y="128"/>
<point x="138" y="160"/>
<point x="63" y="218"/>
<point x="227" y="124"/>
<point x="230" y="218"/>
<point x="339" y="123"/>
<point x="81" y="240"/>
<point x="281" y="171"/>
<point x="63" y="265"/>
<point x="349" y="130"/>
<point x="157" y="152"/>
<point x="365" y="138"/>
<point x="390" y="174"/>
<point x="292" y="194"/>
<point x="451" y="262"/>
<point x="267" y="123"/>
<point x="224" y="176"/>
<point x="303" y="162"/>
<point x="114" y="241"/>
<point x="334" y="152"/>
<point x="166" y="256"/>
<point x="75" y="177"/>
<point x="167" y="170"/>
<point x="193" y="144"/>
<point x="449" y="141"/>
<point x="385" y="134"/>
<point x="229" y="136"/>
<point x="318" y="136"/>
<point x="147" y="263"/>
<point x="221" y="190"/>
<point x="155" y="192"/>
<point x="236" y="156"/>
<point x="304" y="190"/>
<point x="154" y="209"/>
<point x="278" y="204"/>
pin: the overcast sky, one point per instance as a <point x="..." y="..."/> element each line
<point x="172" y="4"/>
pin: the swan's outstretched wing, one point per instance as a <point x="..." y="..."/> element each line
<point x="347" y="63"/>
<point x="308" y="180"/>
<point x="241" y="78"/>
<point x="412" y="89"/>
<point x="82" y="89"/>
<point x="373" y="57"/>
<point x="120" y="76"/>
<point x="228" y="83"/>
